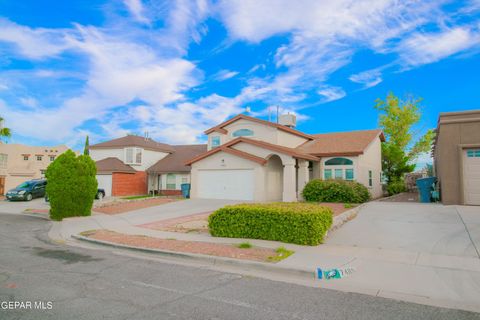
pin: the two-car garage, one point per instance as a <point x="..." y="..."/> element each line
<point x="226" y="184"/>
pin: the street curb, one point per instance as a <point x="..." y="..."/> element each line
<point x="213" y="260"/>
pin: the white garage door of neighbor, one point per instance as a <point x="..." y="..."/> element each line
<point x="226" y="184"/>
<point x="105" y="183"/>
<point x="471" y="176"/>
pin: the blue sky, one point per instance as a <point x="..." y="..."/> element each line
<point x="174" y="69"/>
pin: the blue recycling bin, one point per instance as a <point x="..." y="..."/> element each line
<point x="425" y="187"/>
<point x="185" y="190"/>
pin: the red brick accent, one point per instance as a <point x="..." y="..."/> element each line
<point x="129" y="184"/>
<point x="171" y="192"/>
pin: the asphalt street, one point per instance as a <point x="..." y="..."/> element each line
<point x="79" y="283"/>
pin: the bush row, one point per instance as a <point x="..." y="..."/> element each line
<point x="335" y="191"/>
<point x="300" y="223"/>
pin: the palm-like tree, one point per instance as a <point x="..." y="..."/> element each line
<point x="4" y="132"/>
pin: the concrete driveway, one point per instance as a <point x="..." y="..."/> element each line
<point x="414" y="227"/>
<point x="424" y="253"/>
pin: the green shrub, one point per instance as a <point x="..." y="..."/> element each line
<point x="244" y="245"/>
<point x="71" y="185"/>
<point x="300" y="223"/>
<point x="396" y="187"/>
<point x="335" y="191"/>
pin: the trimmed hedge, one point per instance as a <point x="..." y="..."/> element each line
<point x="300" y="223"/>
<point x="335" y="191"/>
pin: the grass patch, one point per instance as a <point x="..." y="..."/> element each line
<point x="137" y="197"/>
<point x="282" y="253"/>
<point x="244" y="245"/>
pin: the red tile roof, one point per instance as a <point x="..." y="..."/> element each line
<point x="341" y="143"/>
<point x="111" y="164"/>
<point x="175" y="162"/>
<point x="134" y="141"/>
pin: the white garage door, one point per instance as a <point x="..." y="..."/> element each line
<point x="471" y="176"/>
<point x="105" y="183"/>
<point x="226" y="184"/>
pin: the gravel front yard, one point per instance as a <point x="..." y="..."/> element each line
<point x="125" y="206"/>
<point x="206" y="248"/>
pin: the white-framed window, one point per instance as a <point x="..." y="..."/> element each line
<point x="3" y="160"/>
<point x="171" y="181"/>
<point x="39" y="157"/>
<point x="215" y="141"/>
<point x="370" y="178"/>
<point x="339" y="168"/>
<point x="52" y="158"/>
<point x="133" y="155"/>
<point x="26" y="157"/>
<point x="184" y="180"/>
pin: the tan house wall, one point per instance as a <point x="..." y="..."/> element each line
<point x="149" y="157"/>
<point x="455" y="131"/>
<point x="371" y="159"/>
<point x="18" y="170"/>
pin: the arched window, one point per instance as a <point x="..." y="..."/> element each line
<point x="339" y="162"/>
<point x="242" y="133"/>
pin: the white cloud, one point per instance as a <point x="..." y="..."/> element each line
<point x="423" y="48"/>
<point x="331" y="93"/>
<point x="224" y="74"/>
<point x="136" y="9"/>
<point x="369" y="78"/>
<point x="29" y="102"/>
<point x="33" y="43"/>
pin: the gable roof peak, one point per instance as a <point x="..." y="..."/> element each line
<point x="220" y="127"/>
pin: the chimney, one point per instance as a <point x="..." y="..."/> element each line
<point x="288" y="120"/>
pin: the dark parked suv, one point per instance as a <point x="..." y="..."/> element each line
<point x="27" y="190"/>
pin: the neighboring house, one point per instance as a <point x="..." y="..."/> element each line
<point x="19" y="163"/>
<point x="254" y="159"/>
<point x="456" y="154"/>
<point x="169" y="173"/>
<point x="134" y="165"/>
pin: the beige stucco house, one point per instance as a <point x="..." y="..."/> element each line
<point x="19" y="163"/>
<point x="257" y="160"/>
<point x="457" y="157"/>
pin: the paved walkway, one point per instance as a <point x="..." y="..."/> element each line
<point x="424" y="253"/>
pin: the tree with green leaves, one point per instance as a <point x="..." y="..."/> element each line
<point x="71" y="185"/>
<point x="4" y="132"/>
<point x="398" y="119"/>
<point x="86" y="151"/>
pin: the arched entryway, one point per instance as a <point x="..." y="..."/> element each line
<point x="274" y="178"/>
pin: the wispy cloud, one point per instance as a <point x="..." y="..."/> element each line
<point x="423" y="48"/>
<point x="137" y="10"/>
<point x="224" y="74"/>
<point x="331" y="93"/>
<point x="368" y="79"/>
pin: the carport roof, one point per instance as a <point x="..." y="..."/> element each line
<point x="111" y="164"/>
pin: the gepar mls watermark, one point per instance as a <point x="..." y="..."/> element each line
<point x="26" y="305"/>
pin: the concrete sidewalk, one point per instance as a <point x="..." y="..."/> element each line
<point x="424" y="253"/>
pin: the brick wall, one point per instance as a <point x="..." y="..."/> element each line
<point x="129" y="184"/>
<point x="171" y="192"/>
